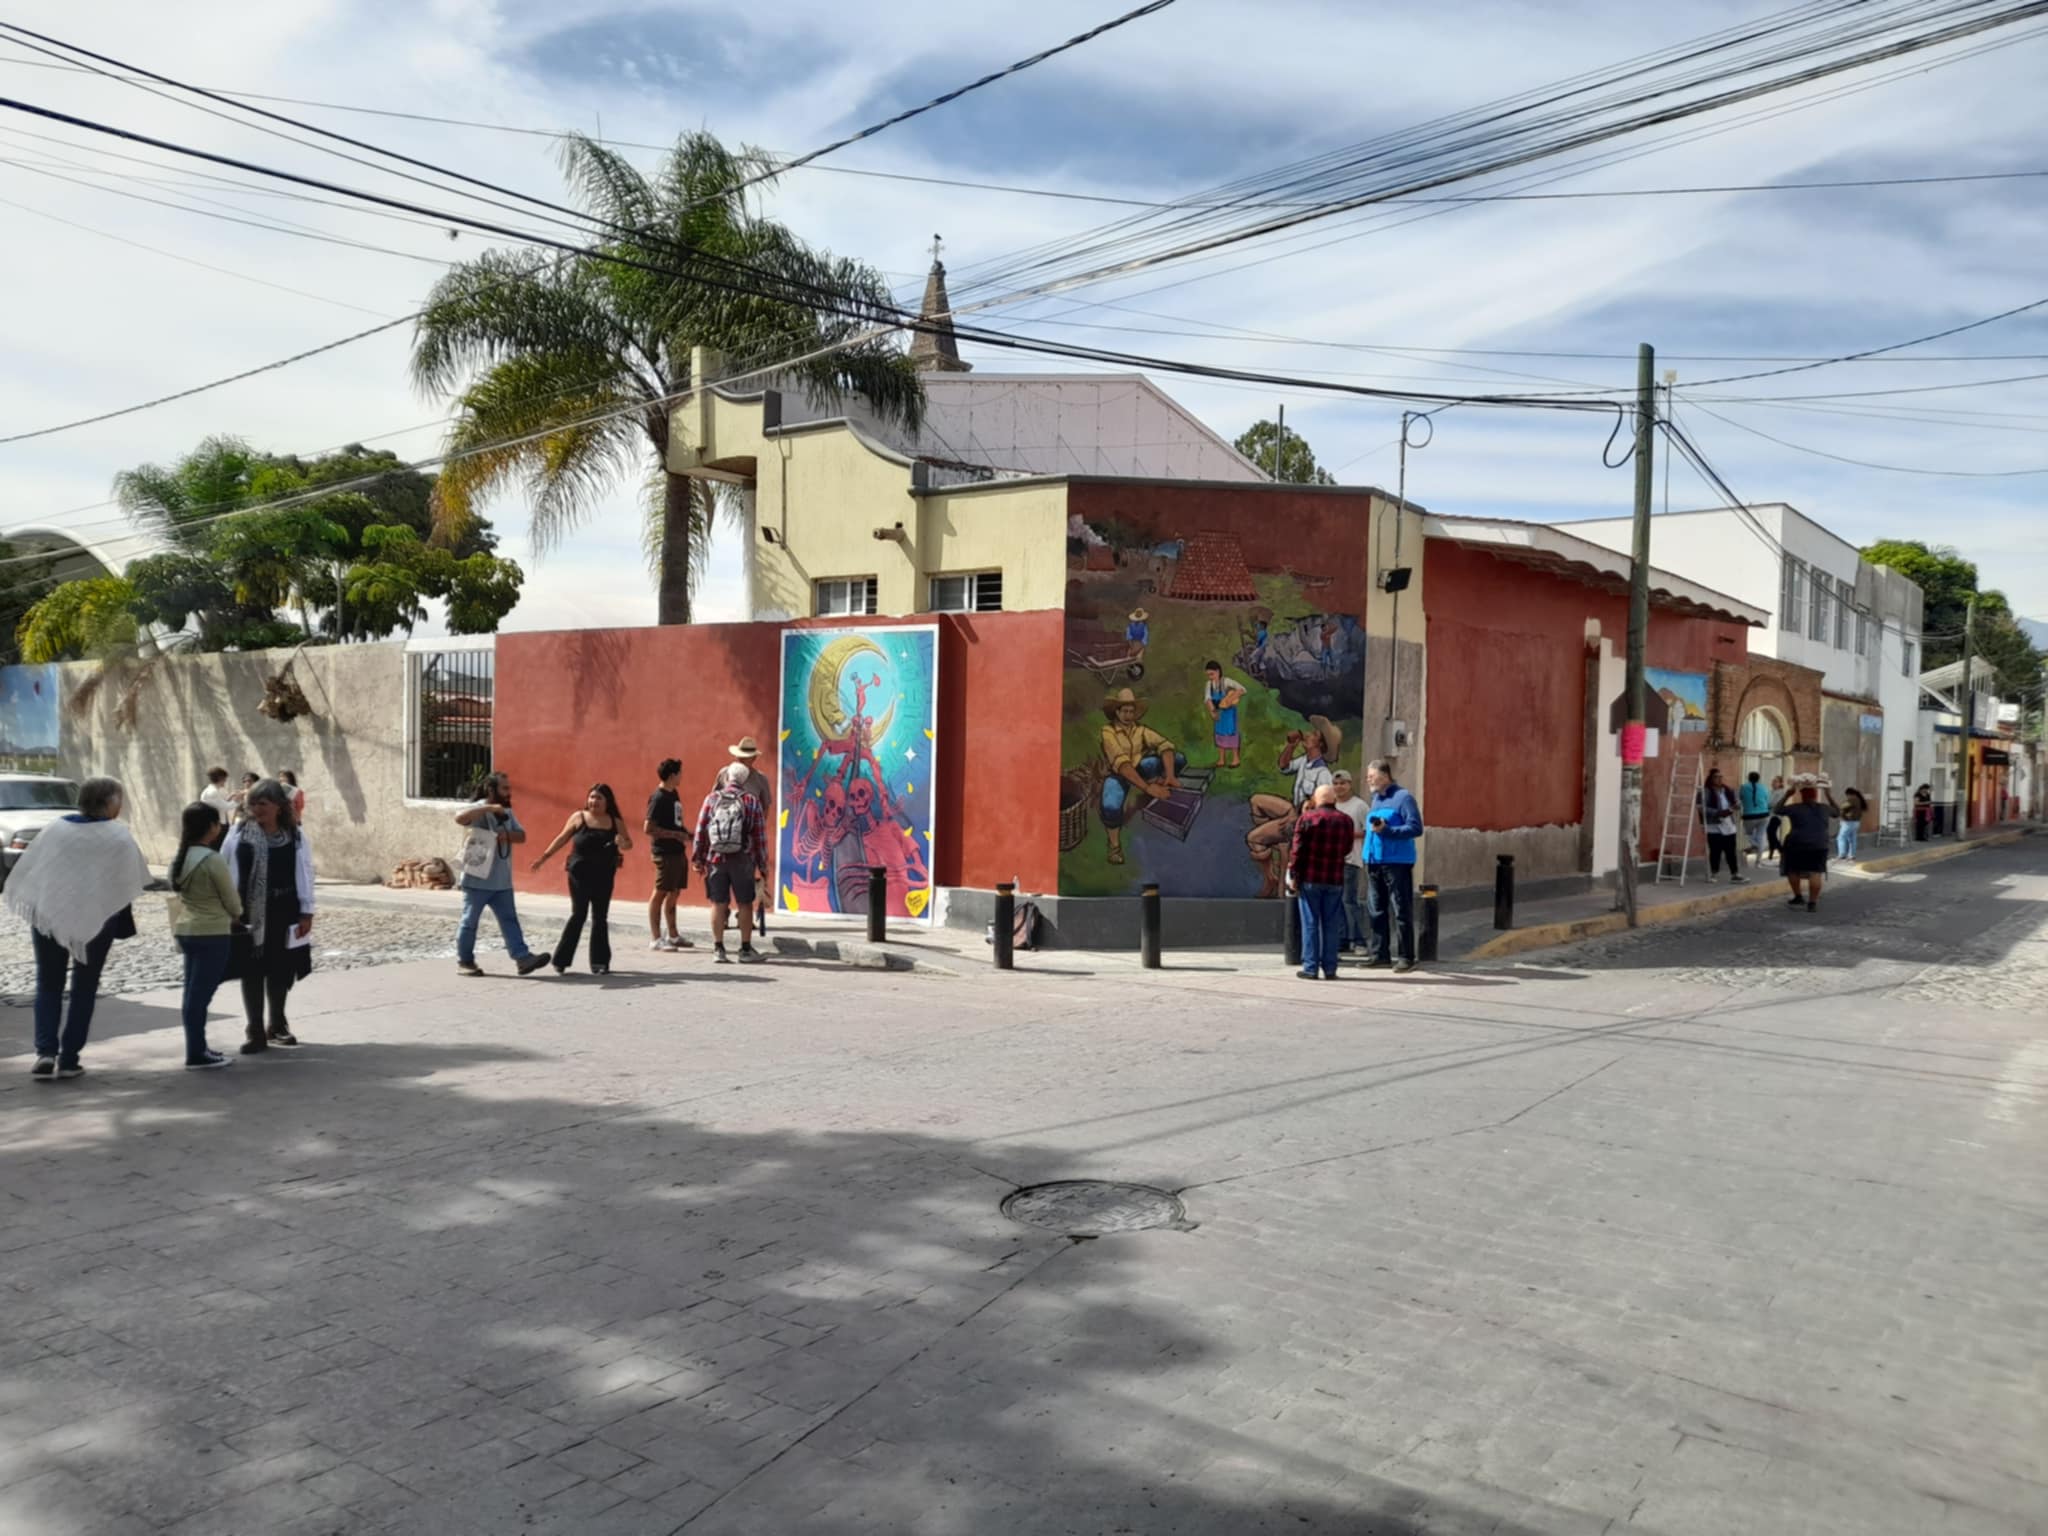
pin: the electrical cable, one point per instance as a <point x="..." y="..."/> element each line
<point x="1896" y="469"/>
<point x="1897" y="346"/>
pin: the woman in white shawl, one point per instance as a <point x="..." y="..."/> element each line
<point x="273" y="871"/>
<point x="75" y="886"/>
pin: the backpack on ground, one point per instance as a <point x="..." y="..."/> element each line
<point x="1023" y="927"/>
<point x="728" y="831"/>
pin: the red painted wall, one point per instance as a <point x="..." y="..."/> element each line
<point x="1506" y="695"/>
<point x="579" y="706"/>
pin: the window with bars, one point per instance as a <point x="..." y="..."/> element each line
<point x="1905" y="656"/>
<point x="1792" y="595"/>
<point x="1844" y="613"/>
<point x="450" y="701"/>
<point x="1823" y="591"/>
<point x="844" y="595"/>
<point x="976" y="592"/>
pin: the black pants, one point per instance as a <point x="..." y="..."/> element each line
<point x="590" y="896"/>
<point x="1389" y="894"/>
<point x="268" y="975"/>
<point x="1771" y="831"/>
<point x="1720" y="846"/>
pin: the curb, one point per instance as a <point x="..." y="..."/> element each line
<point x="1548" y="935"/>
<point x="857" y="953"/>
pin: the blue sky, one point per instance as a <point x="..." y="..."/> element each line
<point x="1192" y="97"/>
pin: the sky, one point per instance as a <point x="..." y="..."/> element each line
<point x="112" y="300"/>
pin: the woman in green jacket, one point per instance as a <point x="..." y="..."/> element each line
<point x="208" y="908"/>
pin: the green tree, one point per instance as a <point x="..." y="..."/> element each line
<point x="24" y="582"/>
<point x="565" y="369"/>
<point x="1949" y="584"/>
<point x="1296" y="463"/>
<point x="79" y="619"/>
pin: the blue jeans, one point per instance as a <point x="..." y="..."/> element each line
<point x="1322" y="927"/>
<point x="1845" y="840"/>
<point x="1117" y="793"/>
<point x="1354" y="906"/>
<point x="475" y="904"/>
<point x="1389" y="904"/>
<point x="53" y="965"/>
<point x="206" y="967"/>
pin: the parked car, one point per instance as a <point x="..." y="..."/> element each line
<point x="29" y="802"/>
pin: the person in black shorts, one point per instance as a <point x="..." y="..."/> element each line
<point x="670" y="844"/>
<point x="730" y="846"/>
<point x="1809" y="808"/>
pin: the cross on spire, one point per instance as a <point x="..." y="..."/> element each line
<point x="938" y="244"/>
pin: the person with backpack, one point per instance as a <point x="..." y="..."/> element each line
<point x="730" y="847"/>
<point x="207" y="907"/>
<point x="486" y="864"/>
<point x="747" y="753"/>
<point x="273" y="868"/>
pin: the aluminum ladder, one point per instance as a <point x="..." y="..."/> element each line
<point x="1678" y="817"/>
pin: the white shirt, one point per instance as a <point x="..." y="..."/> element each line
<point x="1308" y="777"/>
<point x="221" y="798"/>
<point x="1356" y="809"/>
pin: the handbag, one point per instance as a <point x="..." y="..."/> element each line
<point x="479" y="854"/>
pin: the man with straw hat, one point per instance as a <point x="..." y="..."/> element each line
<point x="747" y="751"/>
<point x="1141" y="763"/>
<point x="1310" y="756"/>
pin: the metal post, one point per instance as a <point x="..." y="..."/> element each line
<point x="1425" y="942"/>
<point x="1148" y="927"/>
<point x="878" y="904"/>
<point x="1629" y="851"/>
<point x="1504" y="890"/>
<point x="1292" y="943"/>
<point x="1006" y="926"/>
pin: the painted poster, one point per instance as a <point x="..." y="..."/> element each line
<point x="28" y="718"/>
<point x="1215" y="677"/>
<point x="1685" y="699"/>
<point x="858" y="751"/>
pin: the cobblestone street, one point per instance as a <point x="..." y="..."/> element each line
<point x="1729" y="1226"/>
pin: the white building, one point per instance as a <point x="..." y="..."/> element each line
<point x="1855" y="623"/>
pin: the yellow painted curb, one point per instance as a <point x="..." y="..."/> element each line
<point x="1936" y="854"/>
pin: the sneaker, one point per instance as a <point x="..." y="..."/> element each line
<point x="468" y="968"/>
<point x="677" y="941"/>
<point x="531" y="964"/>
<point x="253" y="1047"/>
<point x="600" y="970"/>
<point x="1796" y="901"/>
<point x="1738" y="879"/>
<point x="718" y="953"/>
<point x="1813" y="906"/>
<point x="283" y="1037"/>
<point x="212" y="1061"/>
<point x="74" y="1070"/>
<point x="750" y="955"/>
<point x="1306" y="975"/>
<point x="45" y="1069"/>
<point x="1403" y="967"/>
<point x="1713" y="879"/>
<point x="660" y="946"/>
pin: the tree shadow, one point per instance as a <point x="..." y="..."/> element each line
<point x="394" y="1288"/>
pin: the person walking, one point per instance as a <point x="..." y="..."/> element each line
<point x="1774" y="824"/>
<point x="1804" y="859"/>
<point x="1923" y="812"/>
<point x="487" y="877"/>
<point x="599" y="845"/>
<point x="290" y="781"/>
<point x="206" y="909"/>
<point x="747" y="752"/>
<point x="1393" y="822"/>
<point x="728" y="850"/>
<point x="75" y="886"/>
<point x="670" y="846"/>
<point x="1717" y="806"/>
<point x="218" y="795"/>
<point x="1351" y="805"/>
<point x="273" y="868"/>
<point x="1756" y="815"/>
<point x="241" y="798"/>
<point x="1323" y="837"/>
<point x="1850" y="833"/>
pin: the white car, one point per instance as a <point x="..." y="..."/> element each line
<point x="29" y="802"/>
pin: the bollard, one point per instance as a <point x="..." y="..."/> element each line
<point x="1425" y="943"/>
<point x="1005" y="927"/>
<point x="1293" y="942"/>
<point x="1148" y="927"/>
<point x="878" y="904"/>
<point x="1504" y="890"/>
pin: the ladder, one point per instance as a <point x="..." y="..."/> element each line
<point x="1897" y="826"/>
<point x="1678" y="816"/>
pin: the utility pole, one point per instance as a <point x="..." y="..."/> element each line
<point x="1279" y="441"/>
<point x="1967" y="696"/>
<point x="1633" y="731"/>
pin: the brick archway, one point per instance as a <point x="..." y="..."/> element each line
<point x="1766" y="692"/>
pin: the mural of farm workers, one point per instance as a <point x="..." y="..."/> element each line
<point x="1308" y="756"/>
<point x="1222" y="695"/>
<point x="1141" y="762"/>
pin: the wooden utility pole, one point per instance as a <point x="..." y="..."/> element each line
<point x="1634" y="730"/>
<point x="1967" y="697"/>
<point x="1279" y="441"/>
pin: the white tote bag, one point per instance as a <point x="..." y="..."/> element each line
<point x="479" y="854"/>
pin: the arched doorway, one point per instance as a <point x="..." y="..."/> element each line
<point x="1764" y="743"/>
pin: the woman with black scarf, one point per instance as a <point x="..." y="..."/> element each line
<point x="273" y="869"/>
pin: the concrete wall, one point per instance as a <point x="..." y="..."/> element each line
<point x="193" y="713"/>
<point x="1850" y="755"/>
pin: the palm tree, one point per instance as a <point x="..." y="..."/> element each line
<point x="592" y="354"/>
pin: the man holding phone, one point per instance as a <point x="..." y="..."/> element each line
<point x="1393" y="822"/>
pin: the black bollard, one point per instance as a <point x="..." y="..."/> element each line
<point x="1293" y="927"/>
<point x="1005" y="934"/>
<point x="1425" y="943"/>
<point x="1148" y="927"/>
<point x="1504" y="890"/>
<point x="878" y="904"/>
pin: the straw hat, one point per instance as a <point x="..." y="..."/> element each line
<point x="1333" y="737"/>
<point x="1139" y="615"/>
<point x="1120" y="698"/>
<point x="746" y="747"/>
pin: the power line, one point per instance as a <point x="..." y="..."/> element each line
<point x="1896" y="346"/>
<point x="1896" y="469"/>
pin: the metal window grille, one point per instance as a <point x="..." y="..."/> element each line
<point x="1817" y="628"/>
<point x="1843" y="614"/>
<point x="1906" y="657"/>
<point x="981" y="592"/>
<point x="453" y="698"/>
<point x="845" y="595"/>
<point x="1792" y="595"/>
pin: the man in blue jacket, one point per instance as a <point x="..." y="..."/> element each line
<point x="1393" y="821"/>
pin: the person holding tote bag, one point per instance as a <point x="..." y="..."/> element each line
<point x="273" y="868"/>
<point x="204" y="910"/>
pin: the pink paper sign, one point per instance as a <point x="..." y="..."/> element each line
<point x="1633" y="737"/>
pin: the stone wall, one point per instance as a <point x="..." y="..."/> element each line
<point x="194" y="713"/>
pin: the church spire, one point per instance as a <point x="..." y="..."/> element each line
<point x="937" y="349"/>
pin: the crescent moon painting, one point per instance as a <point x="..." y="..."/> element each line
<point x="859" y="747"/>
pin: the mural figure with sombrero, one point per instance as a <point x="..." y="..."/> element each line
<point x="1310" y="756"/>
<point x="1140" y="763"/>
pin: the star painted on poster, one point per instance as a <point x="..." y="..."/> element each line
<point x="909" y="754"/>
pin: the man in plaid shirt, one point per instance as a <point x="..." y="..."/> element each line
<point x="731" y="843"/>
<point x="1315" y="872"/>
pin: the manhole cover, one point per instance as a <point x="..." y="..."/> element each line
<point x="1094" y="1207"/>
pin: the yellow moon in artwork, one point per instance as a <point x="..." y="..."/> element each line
<point x="828" y="712"/>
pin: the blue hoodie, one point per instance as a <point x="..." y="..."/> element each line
<point x="1395" y="842"/>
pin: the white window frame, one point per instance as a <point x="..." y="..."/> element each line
<point x="1817" y="622"/>
<point x="1792" y="595"/>
<point x="409" y="723"/>
<point x="844" y="588"/>
<point x="1844" y="609"/>
<point x="1905" y="656"/>
<point x="973" y="603"/>
<point x="1863" y="634"/>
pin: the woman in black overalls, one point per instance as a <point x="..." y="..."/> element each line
<point x="598" y="842"/>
